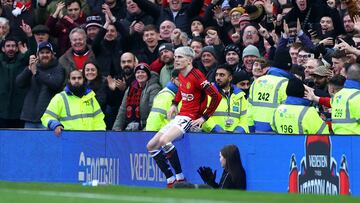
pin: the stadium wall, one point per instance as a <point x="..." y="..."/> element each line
<point x="308" y="164"/>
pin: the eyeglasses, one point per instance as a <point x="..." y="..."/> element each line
<point x="236" y="16"/>
<point x="251" y="32"/>
<point x="304" y="56"/>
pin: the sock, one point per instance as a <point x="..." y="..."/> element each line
<point x="173" y="158"/>
<point x="162" y="163"/>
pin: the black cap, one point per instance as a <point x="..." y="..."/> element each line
<point x="232" y="47"/>
<point x="295" y="88"/>
<point x="39" y="29"/>
<point x="282" y="60"/>
<point x="93" y="21"/>
<point x="166" y="46"/>
<point x="45" y="45"/>
<point x="240" y="76"/>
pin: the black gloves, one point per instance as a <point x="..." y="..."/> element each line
<point x="207" y="175"/>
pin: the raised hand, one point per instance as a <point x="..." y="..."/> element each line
<point x="32" y="64"/>
<point x="22" y="47"/>
<point x="263" y="32"/>
<point x="26" y="28"/>
<point x="218" y="13"/>
<point x="356" y="20"/>
<point x="111" y="82"/>
<point x="268" y="6"/>
<point x="286" y="28"/>
<point x="207" y="175"/>
<point x="59" y="8"/>
<point x="120" y="84"/>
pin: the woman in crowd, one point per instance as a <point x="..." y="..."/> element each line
<point x="233" y="177"/>
<point x="96" y="82"/>
<point x="137" y="101"/>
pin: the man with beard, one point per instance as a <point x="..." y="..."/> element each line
<point x="118" y="83"/>
<point x="13" y="58"/>
<point x="348" y="24"/>
<point x="75" y="108"/>
<point x="44" y="77"/>
<point x="230" y="115"/>
<point x="166" y="52"/>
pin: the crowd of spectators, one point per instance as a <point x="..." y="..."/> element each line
<point x="125" y="51"/>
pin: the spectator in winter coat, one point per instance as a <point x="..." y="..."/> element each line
<point x="137" y="102"/>
<point x="44" y="77"/>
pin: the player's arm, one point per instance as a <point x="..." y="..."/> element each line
<point x="215" y="96"/>
<point x="174" y="106"/>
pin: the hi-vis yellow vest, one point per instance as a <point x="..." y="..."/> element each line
<point x="75" y="113"/>
<point x="266" y="93"/>
<point x="298" y="119"/>
<point x="158" y="114"/>
<point x="345" y="111"/>
<point x="232" y="109"/>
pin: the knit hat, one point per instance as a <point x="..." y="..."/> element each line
<point x="282" y="59"/>
<point x="145" y="67"/>
<point x="198" y="18"/>
<point x="251" y="50"/>
<point x="39" y="29"/>
<point x="186" y="51"/>
<point x="322" y="71"/>
<point x="237" y="9"/>
<point x="256" y="12"/>
<point x="232" y="47"/>
<point x="45" y="45"/>
<point x="166" y="46"/>
<point x="209" y="49"/>
<point x="225" y="4"/>
<point x="93" y="21"/>
<point x="240" y="76"/>
<point x="295" y="88"/>
<point x="244" y="17"/>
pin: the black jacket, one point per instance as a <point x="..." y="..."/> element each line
<point x="42" y="87"/>
<point x="107" y="53"/>
<point x="227" y="183"/>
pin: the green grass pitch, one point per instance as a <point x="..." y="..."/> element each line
<point x="69" y="193"/>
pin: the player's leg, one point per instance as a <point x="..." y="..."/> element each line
<point x="173" y="133"/>
<point x="155" y="151"/>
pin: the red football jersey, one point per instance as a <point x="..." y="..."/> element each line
<point x="193" y="91"/>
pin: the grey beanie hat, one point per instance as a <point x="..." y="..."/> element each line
<point x="209" y="49"/>
<point x="186" y="51"/>
<point x="251" y="50"/>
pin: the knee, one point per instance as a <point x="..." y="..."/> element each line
<point x="150" y="146"/>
